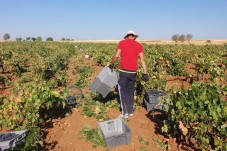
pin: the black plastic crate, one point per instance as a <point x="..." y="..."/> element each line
<point x="11" y="139"/>
<point x="151" y="99"/>
<point x="152" y="95"/>
<point x="153" y="106"/>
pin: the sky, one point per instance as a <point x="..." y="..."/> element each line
<point x="111" y="19"/>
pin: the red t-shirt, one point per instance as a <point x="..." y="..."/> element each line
<point x="130" y="50"/>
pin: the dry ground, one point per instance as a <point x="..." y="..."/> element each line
<point x="63" y="134"/>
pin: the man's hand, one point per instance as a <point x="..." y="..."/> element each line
<point x="111" y="67"/>
<point x="145" y="77"/>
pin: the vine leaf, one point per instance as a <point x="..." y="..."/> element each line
<point x="183" y="129"/>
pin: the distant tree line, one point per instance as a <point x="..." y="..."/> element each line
<point x="30" y="39"/>
<point x="67" y="39"/>
<point x="182" y="38"/>
<point x="176" y="37"/>
<point x="6" y="36"/>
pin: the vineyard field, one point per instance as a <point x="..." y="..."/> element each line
<point x="34" y="77"/>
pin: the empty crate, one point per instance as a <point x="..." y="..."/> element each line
<point x="104" y="82"/>
<point x="115" y="132"/>
<point x="11" y="139"/>
<point x="151" y="99"/>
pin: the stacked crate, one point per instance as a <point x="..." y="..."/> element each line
<point x="11" y="139"/>
<point x="151" y="99"/>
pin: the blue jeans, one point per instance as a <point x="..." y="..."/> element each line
<point x="126" y="87"/>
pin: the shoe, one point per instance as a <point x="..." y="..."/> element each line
<point x="123" y="116"/>
<point x="131" y="114"/>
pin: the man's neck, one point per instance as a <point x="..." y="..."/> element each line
<point x="132" y="38"/>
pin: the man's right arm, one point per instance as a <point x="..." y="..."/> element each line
<point x="115" y="57"/>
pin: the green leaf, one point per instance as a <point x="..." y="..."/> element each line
<point x="178" y="104"/>
<point x="207" y="102"/>
<point x="224" y="126"/>
<point x="219" y="109"/>
<point x="165" y="128"/>
<point x="143" y="141"/>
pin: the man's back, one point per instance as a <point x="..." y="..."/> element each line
<point x="130" y="50"/>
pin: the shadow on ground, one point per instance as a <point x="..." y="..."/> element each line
<point x="184" y="142"/>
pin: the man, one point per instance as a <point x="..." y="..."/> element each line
<point x="128" y="50"/>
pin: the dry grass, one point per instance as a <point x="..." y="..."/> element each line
<point x="160" y="42"/>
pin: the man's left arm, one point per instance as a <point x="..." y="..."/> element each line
<point x="143" y="62"/>
<point x="145" y="76"/>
